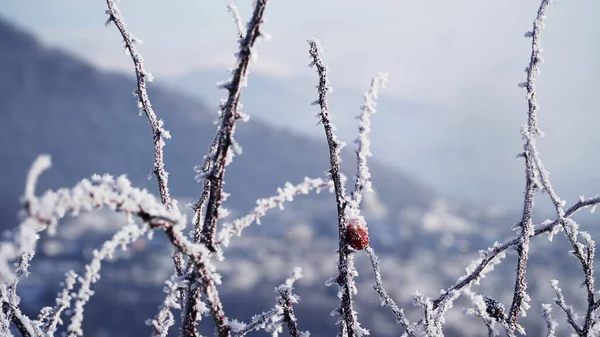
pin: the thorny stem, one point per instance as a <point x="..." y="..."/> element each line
<point x="289" y="317"/>
<point x="229" y="116"/>
<point x="158" y="133"/>
<point x="335" y="145"/>
<point x="531" y="159"/>
<point x="213" y="187"/>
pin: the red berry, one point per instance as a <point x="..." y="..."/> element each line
<point x="356" y="235"/>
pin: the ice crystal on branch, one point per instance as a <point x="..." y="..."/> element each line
<point x="193" y="288"/>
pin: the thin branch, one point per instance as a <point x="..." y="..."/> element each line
<point x="214" y="165"/>
<point x="258" y="322"/>
<point x="492" y="252"/>
<point x="159" y="134"/>
<point x="363" y="152"/>
<point x="384" y="296"/>
<point x="226" y="129"/>
<point x="123" y="237"/>
<point x="285" y="194"/>
<point x="344" y="280"/>
<point x="63" y="301"/>
<point x="531" y="159"/>
<point x="13" y="314"/>
<point x="283" y="312"/>
<point x="165" y="319"/>
<point x="571" y="315"/>
<point x="551" y="324"/>
<point x="286" y="299"/>
<point x="235" y="12"/>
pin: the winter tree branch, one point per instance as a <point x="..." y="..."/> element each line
<point x="349" y="325"/>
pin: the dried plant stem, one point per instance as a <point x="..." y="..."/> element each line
<point x="226" y="129"/>
<point x="347" y="311"/>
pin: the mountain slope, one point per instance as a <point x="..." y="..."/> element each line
<point x="50" y="102"/>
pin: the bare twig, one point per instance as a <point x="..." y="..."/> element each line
<point x="63" y="301"/>
<point x="286" y="299"/>
<point x="384" y="296"/>
<point x="551" y="324"/>
<point x="159" y="134"/>
<point x="285" y="194"/>
<point x="213" y="171"/>
<point x="227" y="127"/>
<point x="532" y="160"/>
<point x="363" y="152"/>
<point x="350" y="326"/>
<point x="571" y="315"/>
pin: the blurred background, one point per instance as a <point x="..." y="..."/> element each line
<point x="444" y="140"/>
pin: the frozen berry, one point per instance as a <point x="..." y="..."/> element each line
<point x="356" y="235"/>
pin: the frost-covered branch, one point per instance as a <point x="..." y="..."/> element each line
<point x="87" y="195"/>
<point x="283" y="312"/>
<point x="349" y="324"/>
<point x="165" y="319"/>
<point x="285" y="194"/>
<point x="551" y="324"/>
<point x="384" y="296"/>
<point x="532" y="163"/>
<point x="237" y="18"/>
<point x="229" y="114"/>
<point x="51" y="317"/>
<point x="363" y="176"/>
<point x="159" y="134"/>
<point x="572" y="317"/>
<point x="122" y="238"/>
<point x="213" y="172"/>
<point x="119" y="195"/>
<point x="286" y="300"/>
<point x="40" y="164"/>
<point x="13" y="314"/>
<point x="488" y="256"/>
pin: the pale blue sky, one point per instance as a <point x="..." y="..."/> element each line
<point x="464" y="58"/>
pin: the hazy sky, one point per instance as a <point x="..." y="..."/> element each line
<point x="462" y="58"/>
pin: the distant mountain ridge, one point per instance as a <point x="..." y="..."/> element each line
<point x="50" y="102"/>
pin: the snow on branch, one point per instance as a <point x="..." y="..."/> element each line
<point x="285" y="194"/>
<point x="386" y="299"/>
<point x="50" y="317"/>
<point x="346" y="272"/>
<point x="229" y="115"/>
<point x="363" y="176"/>
<point x="88" y="195"/>
<point x="235" y="12"/>
<point x="551" y="324"/>
<point x="213" y="172"/>
<point x="123" y="238"/>
<point x="159" y="134"/>
<point x="101" y="191"/>
<point x="286" y="300"/>
<point x="533" y="166"/>
<point x="283" y="313"/>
